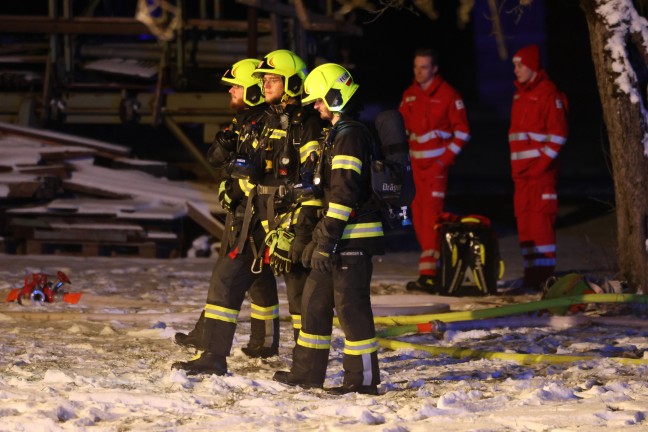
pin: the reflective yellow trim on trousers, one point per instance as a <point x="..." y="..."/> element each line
<point x="296" y="320"/>
<point x="221" y="313"/>
<point x="366" y="346"/>
<point x="314" y="341"/>
<point x="264" y="313"/>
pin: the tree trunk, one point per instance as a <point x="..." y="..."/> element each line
<point x="630" y="170"/>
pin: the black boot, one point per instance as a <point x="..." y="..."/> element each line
<point x="344" y="389"/>
<point x="188" y="340"/>
<point x="287" y="378"/>
<point x="423" y="283"/>
<point x="260" y="352"/>
<point x="193" y="339"/>
<point x="207" y="363"/>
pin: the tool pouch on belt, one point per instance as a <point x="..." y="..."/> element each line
<point x="278" y="242"/>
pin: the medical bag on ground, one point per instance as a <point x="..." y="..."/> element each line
<point x="470" y="263"/>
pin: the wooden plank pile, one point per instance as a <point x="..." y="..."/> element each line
<point x="55" y="199"/>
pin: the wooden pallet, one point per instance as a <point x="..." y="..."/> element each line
<point x="44" y="247"/>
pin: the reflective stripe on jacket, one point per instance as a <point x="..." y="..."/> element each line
<point x="351" y="215"/>
<point x="436" y="122"/>
<point x="538" y="127"/>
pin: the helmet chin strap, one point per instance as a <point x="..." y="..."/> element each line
<point x="285" y="97"/>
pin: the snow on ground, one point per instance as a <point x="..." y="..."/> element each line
<point x="104" y="365"/>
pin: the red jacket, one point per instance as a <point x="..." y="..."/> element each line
<point x="436" y="122"/>
<point x="538" y="127"/>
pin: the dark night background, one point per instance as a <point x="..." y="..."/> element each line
<point x="468" y="60"/>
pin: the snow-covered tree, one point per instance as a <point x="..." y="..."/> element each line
<point x="619" y="43"/>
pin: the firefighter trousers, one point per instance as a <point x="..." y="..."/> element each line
<point x="348" y="291"/>
<point x="231" y="278"/>
<point x="295" y="281"/>
<point x="264" y="332"/>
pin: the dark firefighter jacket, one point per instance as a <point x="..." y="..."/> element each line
<point x="280" y="146"/>
<point x="352" y="215"/>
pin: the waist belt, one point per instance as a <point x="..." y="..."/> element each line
<point x="271" y="192"/>
<point x="280" y="190"/>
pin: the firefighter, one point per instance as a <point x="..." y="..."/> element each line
<point x="274" y="156"/>
<point x="537" y="133"/>
<point x="344" y="240"/>
<point x="246" y="99"/>
<point x="437" y="125"/>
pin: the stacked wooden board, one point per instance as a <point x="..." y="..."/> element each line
<point x="57" y="199"/>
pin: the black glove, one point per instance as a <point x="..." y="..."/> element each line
<point x="319" y="253"/>
<point x="227" y="139"/>
<point x="297" y="248"/>
<point x="222" y="149"/>
<point x="322" y="259"/>
<point x="319" y="257"/>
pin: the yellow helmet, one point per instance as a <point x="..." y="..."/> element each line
<point x="332" y="83"/>
<point x="241" y="73"/>
<point x="286" y="64"/>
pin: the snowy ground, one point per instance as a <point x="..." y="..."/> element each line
<point x="104" y="365"/>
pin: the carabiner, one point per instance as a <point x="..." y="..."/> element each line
<point x="260" y="261"/>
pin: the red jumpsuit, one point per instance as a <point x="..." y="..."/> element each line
<point x="437" y="125"/>
<point x="537" y="133"/>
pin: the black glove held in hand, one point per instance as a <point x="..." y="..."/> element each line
<point x="226" y="139"/>
<point x="322" y="260"/>
<point x="222" y="149"/>
<point x="318" y="257"/>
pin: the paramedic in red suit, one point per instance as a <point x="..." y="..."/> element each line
<point x="437" y="125"/>
<point x="537" y="133"/>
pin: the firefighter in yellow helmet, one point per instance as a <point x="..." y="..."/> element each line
<point x="246" y="99"/>
<point x="245" y="88"/>
<point x="285" y="69"/>
<point x="275" y="157"/>
<point x="343" y="243"/>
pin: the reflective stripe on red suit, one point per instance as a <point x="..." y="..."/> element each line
<point x="437" y="125"/>
<point x="537" y="133"/>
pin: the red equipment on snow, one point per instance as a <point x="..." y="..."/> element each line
<point x="38" y="289"/>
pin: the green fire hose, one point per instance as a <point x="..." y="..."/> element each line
<point x="507" y="310"/>
<point x="435" y="322"/>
